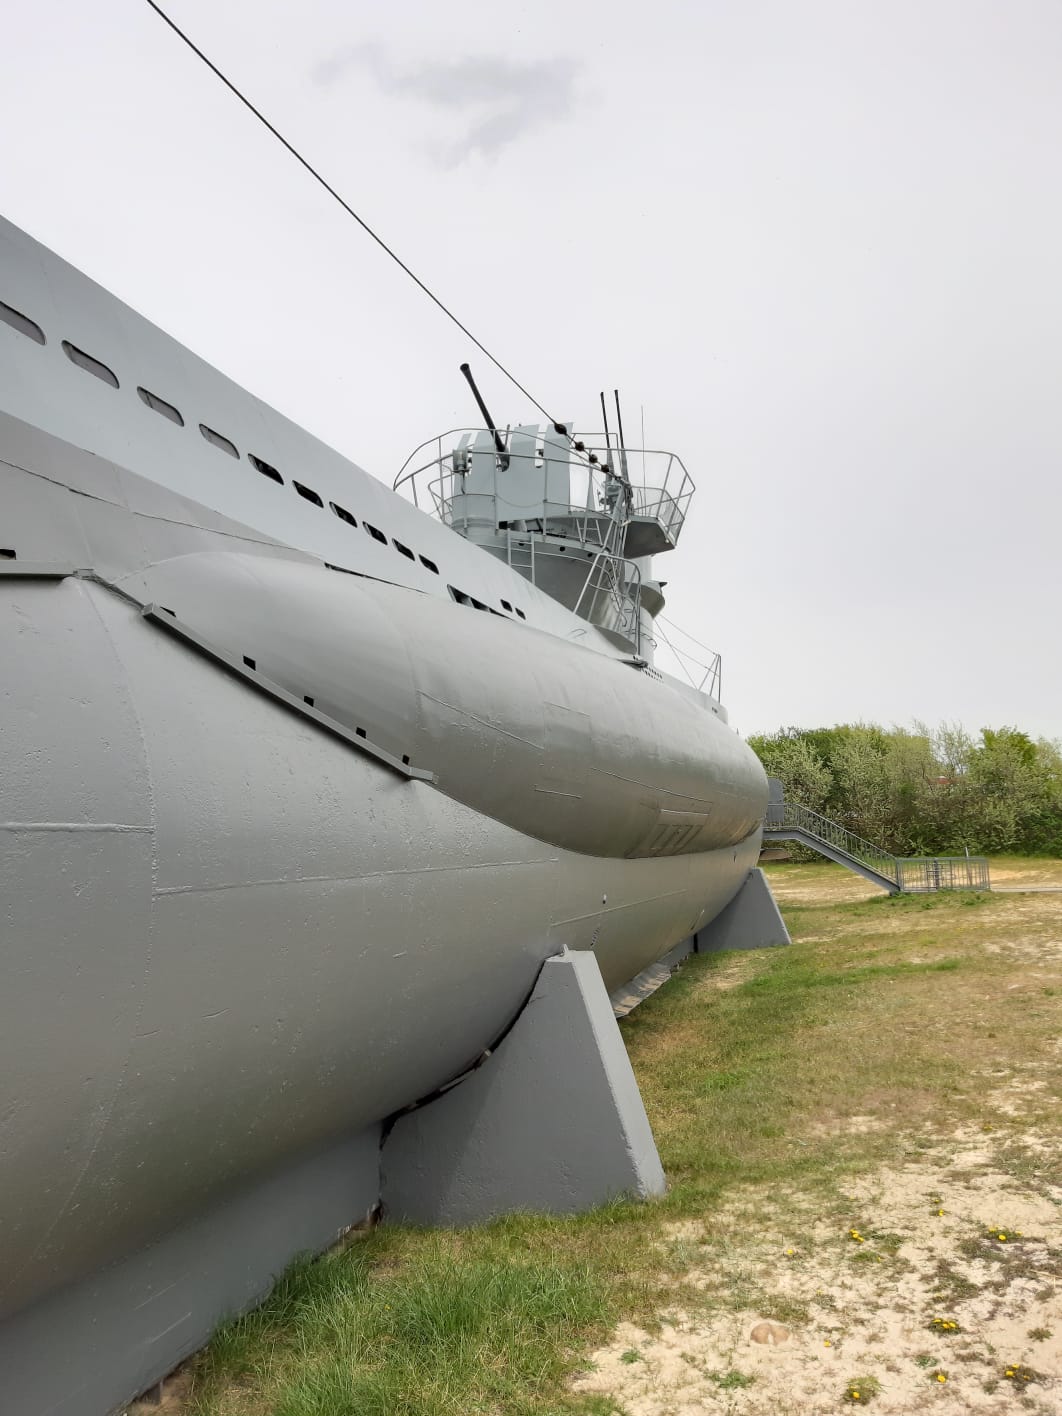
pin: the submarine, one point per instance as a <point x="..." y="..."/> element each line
<point x="336" y="818"/>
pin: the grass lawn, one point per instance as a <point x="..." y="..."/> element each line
<point x="861" y="1136"/>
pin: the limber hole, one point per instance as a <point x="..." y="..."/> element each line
<point x="266" y="469"/>
<point x="217" y="440"/>
<point x="251" y="664"/>
<point x="360" y="732"/>
<point x="307" y="492"/>
<point x="6" y="554"/>
<point x="307" y="699"/>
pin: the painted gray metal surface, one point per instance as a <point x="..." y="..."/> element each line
<point x="752" y="920"/>
<point x="580" y="522"/>
<point x="514" y="722"/>
<point x="552" y="1122"/>
<point x="90" y="1347"/>
<point x="230" y="935"/>
<point x="41" y="386"/>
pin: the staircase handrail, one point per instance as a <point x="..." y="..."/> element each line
<point x="801" y="818"/>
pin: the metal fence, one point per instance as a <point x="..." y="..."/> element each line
<point x="918" y="875"/>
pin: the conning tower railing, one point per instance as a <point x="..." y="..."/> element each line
<point x="647" y="490"/>
<point x="705" y="675"/>
<point x="575" y="520"/>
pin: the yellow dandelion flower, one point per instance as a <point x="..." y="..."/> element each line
<point x="827" y="1343"/>
<point x="855" y="1396"/>
<point x="941" y="1377"/>
<point x="940" y="1211"/>
<point x="1002" y="1238"/>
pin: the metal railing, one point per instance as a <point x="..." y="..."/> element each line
<point x="915" y="875"/>
<point x="611" y="597"/>
<point x="789" y="815"/>
<point x="705" y="675"/>
<point x="610" y="594"/>
<point x="659" y="503"/>
<point x="919" y="875"/>
<point x="530" y="487"/>
<point x="660" y="486"/>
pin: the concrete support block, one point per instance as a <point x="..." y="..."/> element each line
<point x="552" y="1122"/>
<point x="752" y="920"/>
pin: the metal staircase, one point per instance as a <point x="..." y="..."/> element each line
<point x="788" y="821"/>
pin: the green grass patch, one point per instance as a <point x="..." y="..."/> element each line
<point x="860" y="1391"/>
<point x="407" y="1324"/>
<point x="755" y="1069"/>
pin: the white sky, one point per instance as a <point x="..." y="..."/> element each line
<point x="820" y="241"/>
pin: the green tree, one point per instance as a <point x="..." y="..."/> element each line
<point x="922" y="791"/>
<point x="789" y="756"/>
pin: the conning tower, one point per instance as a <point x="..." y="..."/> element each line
<point x="581" y="518"/>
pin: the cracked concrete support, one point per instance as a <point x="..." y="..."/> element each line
<point x="552" y="1122"/>
<point x="752" y="920"/>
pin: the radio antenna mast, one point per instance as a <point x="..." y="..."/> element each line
<point x="622" y="442"/>
<point x="608" y="436"/>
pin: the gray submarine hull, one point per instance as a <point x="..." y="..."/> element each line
<point x="286" y="843"/>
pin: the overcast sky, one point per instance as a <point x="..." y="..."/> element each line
<point x="819" y="240"/>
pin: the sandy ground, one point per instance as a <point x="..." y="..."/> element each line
<point x="819" y="885"/>
<point x="827" y="1309"/>
<point x="1027" y="875"/>
<point x="934" y="1285"/>
<point x="823" y="887"/>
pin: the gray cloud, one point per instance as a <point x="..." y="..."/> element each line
<point x="503" y="99"/>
